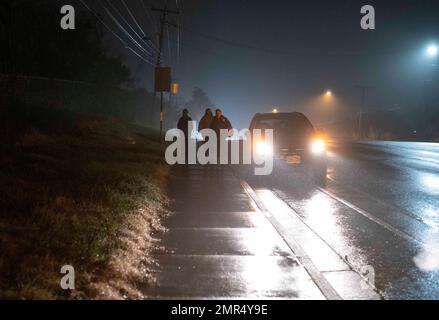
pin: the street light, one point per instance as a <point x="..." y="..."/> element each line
<point x="432" y="50"/>
<point x="328" y="93"/>
<point x="275" y="110"/>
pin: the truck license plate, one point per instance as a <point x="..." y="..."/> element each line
<point x="294" y="159"/>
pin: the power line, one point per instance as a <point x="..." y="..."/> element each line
<point x="127" y="23"/>
<point x="126" y="46"/>
<point x="168" y="37"/>
<point x="274" y="51"/>
<point x="202" y="50"/>
<point x="126" y="32"/>
<point x="178" y="36"/>
<point x="131" y="49"/>
<point x="135" y="20"/>
<point x="150" y="17"/>
<point x="169" y="44"/>
<point x="163" y="22"/>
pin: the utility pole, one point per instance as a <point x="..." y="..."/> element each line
<point x="163" y="22"/>
<point x="363" y="106"/>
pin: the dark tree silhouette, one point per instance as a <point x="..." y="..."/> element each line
<point x="199" y="103"/>
<point x="33" y="43"/>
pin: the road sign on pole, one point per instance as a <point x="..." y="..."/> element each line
<point x="162" y="79"/>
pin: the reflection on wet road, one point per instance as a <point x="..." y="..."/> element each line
<point x="380" y="209"/>
<point x="219" y="246"/>
<point x="372" y="232"/>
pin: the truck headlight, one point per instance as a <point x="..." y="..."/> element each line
<point x="264" y="149"/>
<point x="318" y="146"/>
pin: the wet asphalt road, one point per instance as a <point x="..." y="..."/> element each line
<point x="371" y="232"/>
<point x="219" y="246"/>
<point x="379" y="209"/>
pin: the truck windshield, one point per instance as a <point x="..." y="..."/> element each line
<point x="298" y="126"/>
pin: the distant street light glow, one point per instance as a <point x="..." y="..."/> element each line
<point x="328" y="93"/>
<point x="275" y="110"/>
<point x="432" y="50"/>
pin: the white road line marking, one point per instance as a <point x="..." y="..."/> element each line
<point x="383" y="203"/>
<point x="372" y="218"/>
<point x="349" y="264"/>
<point x="325" y="287"/>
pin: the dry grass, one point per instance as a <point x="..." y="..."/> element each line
<point x="89" y="193"/>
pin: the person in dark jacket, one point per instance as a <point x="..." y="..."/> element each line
<point x="205" y="123"/>
<point x="183" y="125"/>
<point x="206" y="120"/>
<point x="219" y="123"/>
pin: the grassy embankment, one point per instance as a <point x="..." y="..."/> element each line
<point x="77" y="191"/>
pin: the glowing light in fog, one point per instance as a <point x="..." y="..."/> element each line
<point x="318" y="146"/>
<point x="264" y="148"/>
<point x="432" y="50"/>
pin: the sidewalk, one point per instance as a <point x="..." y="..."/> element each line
<point x="219" y="245"/>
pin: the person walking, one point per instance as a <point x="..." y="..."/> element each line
<point x="220" y="122"/>
<point x="205" y="123"/>
<point x="206" y="120"/>
<point x="183" y="125"/>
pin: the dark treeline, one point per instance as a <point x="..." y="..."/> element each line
<point x="409" y="124"/>
<point x="33" y="43"/>
<point x="198" y="104"/>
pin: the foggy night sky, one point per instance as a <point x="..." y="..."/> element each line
<point x="327" y="50"/>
